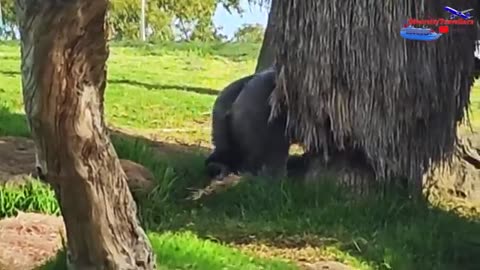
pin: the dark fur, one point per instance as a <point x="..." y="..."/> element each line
<point x="244" y="139"/>
<point x="225" y="157"/>
<point x="263" y="144"/>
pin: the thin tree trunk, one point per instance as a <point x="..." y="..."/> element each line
<point x="142" y="21"/>
<point x="2" y="25"/>
<point x="63" y="52"/>
<point x="266" y="56"/>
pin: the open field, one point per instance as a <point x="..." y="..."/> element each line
<point x="159" y="98"/>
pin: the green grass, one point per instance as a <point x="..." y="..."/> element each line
<point x="185" y="250"/>
<point x="156" y="87"/>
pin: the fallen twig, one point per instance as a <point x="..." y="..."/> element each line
<point x="216" y="186"/>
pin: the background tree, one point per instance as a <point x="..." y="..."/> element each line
<point x="194" y="18"/>
<point x="1" y="21"/>
<point x="205" y="31"/>
<point x="350" y="83"/>
<point x="8" y="17"/>
<point x="252" y="33"/>
<point x="63" y="50"/>
<point x="124" y="18"/>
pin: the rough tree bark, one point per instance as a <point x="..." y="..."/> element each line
<point x="266" y="56"/>
<point x="350" y="83"/>
<point x="63" y="50"/>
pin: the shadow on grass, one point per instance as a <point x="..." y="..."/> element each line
<point x="199" y="90"/>
<point x="383" y="234"/>
<point x="9" y="73"/>
<point x="370" y="233"/>
<point x="8" y="57"/>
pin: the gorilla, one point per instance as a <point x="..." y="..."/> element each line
<point x="244" y="139"/>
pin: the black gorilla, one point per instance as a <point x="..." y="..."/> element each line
<point x="244" y="140"/>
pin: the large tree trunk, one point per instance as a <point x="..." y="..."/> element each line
<point x="63" y="53"/>
<point x="348" y="80"/>
<point x="266" y="56"/>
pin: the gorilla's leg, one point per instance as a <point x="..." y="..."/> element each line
<point x="276" y="152"/>
<point x="262" y="143"/>
<point x="223" y="160"/>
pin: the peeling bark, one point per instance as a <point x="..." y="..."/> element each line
<point x="461" y="178"/>
<point x="266" y="56"/>
<point x="64" y="50"/>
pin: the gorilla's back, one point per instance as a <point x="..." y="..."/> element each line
<point x="230" y="93"/>
<point x="251" y="110"/>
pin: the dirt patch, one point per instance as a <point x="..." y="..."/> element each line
<point x="17" y="158"/>
<point x="327" y="265"/>
<point x="306" y="257"/>
<point x="29" y="240"/>
<point x="164" y="144"/>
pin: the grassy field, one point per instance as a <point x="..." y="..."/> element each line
<point x="167" y="92"/>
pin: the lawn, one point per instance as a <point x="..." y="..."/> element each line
<point x="166" y="91"/>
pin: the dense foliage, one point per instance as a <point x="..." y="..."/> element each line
<point x="249" y="33"/>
